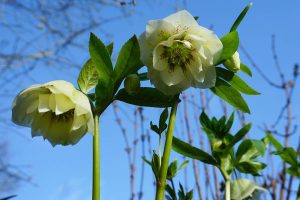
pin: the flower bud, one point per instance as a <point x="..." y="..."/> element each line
<point x="132" y="84"/>
<point x="233" y="63"/>
<point x="56" y="110"/>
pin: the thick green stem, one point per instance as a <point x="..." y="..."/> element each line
<point x="227" y="190"/>
<point x="96" y="160"/>
<point x="161" y="182"/>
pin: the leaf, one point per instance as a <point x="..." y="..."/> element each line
<point x="192" y="152"/>
<point x="156" y="164"/>
<point x="229" y="123"/>
<point x="294" y="171"/>
<point x="182" y="165"/>
<point x="143" y="76"/>
<point x="230" y="45"/>
<point x="100" y="57"/>
<point x="226" y="164"/>
<point x="243" y="188"/>
<point x="149" y="97"/>
<point x="146" y="161"/>
<point x="102" y="62"/>
<point x="163" y="118"/>
<point x="128" y="61"/>
<point x="235" y="81"/>
<point x="110" y="48"/>
<point x="205" y="121"/>
<point x="88" y="77"/>
<point x="244" y="68"/>
<point x="154" y="128"/>
<point x="288" y="155"/>
<point x="240" y="134"/>
<point x="250" y="167"/>
<point x="274" y="142"/>
<point x="230" y="95"/>
<point x="250" y="149"/>
<point x="172" y="170"/>
<point x="171" y="193"/>
<point x="240" y="17"/>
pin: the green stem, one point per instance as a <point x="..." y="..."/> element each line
<point x="227" y="190"/>
<point x="96" y="160"/>
<point x="161" y="182"/>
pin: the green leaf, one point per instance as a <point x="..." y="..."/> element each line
<point x="226" y="164"/>
<point x="250" y="149"/>
<point x="235" y="81"/>
<point x="103" y="92"/>
<point x="88" y="77"/>
<point x="192" y="152"/>
<point x="110" y="48"/>
<point x="274" y="142"/>
<point x="156" y="164"/>
<point x="230" y="95"/>
<point x="288" y="155"/>
<point x="143" y="76"/>
<point x="294" y="170"/>
<point x="149" y="97"/>
<point x="243" y="188"/>
<point x="128" y="61"/>
<point x="172" y="170"/>
<point x="230" y="45"/>
<point x="102" y="62"/>
<point x="171" y="193"/>
<point x="182" y="165"/>
<point x="250" y="167"/>
<point x="240" y="134"/>
<point x="244" y="68"/>
<point x="163" y="118"/>
<point x="146" y="161"/>
<point x="240" y="18"/>
<point x="229" y="123"/>
<point x="100" y="57"/>
<point x="205" y="121"/>
<point x="154" y="128"/>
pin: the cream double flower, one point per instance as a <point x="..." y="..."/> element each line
<point x="179" y="53"/>
<point x="55" y="110"/>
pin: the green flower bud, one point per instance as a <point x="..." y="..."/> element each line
<point x="132" y="84"/>
<point x="233" y="63"/>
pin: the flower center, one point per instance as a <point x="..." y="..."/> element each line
<point x="64" y="116"/>
<point x="179" y="54"/>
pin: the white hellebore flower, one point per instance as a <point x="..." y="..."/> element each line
<point x="54" y="110"/>
<point x="179" y="53"/>
<point x="233" y="63"/>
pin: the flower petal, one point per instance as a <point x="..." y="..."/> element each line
<point x="57" y="131"/>
<point x="63" y="104"/>
<point x="172" y="77"/>
<point x="209" y="78"/>
<point x="44" y="103"/>
<point x="75" y="135"/>
<point x="60" y="87"/>
<point x="146" y="50"/>
<point x="157" y="31"/>
<point x="182" y="18"/>
<point x="155" y="78"/>
<point x="196" y="69"/>
<point x="79" y="121"/>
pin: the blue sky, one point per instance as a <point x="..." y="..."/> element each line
<point x="64" y="173"/>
